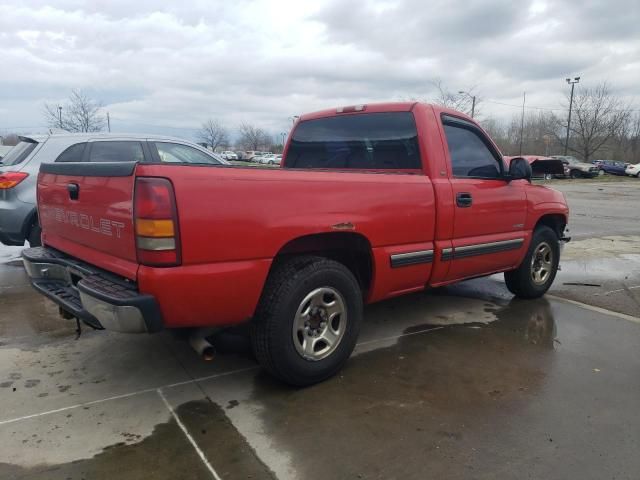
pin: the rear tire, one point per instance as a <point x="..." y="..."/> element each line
<point x="537" y="271"/>
<point x="305" y="300"/>
<point x="34" y="235"/>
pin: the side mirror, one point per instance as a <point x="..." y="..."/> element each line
<point x="520" y="169"/>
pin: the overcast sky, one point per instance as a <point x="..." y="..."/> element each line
<point x="166" y="68"/>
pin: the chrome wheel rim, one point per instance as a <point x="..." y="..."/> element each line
<point x="541" y="263"/>
<point x="319" y="324"/>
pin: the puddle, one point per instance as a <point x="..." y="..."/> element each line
<point x="28" y="318"/>
<point x="164" y="454"/>
<point x="400" y="402"/>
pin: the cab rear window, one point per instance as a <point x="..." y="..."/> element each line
<point x="377" y="141"/>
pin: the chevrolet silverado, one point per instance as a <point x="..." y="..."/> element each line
<point x="371" y="202"/>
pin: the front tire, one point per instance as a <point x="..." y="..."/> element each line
<point x="575" y="174"/>
<point x="308" y="320"/>
<point x="537" y="271"/>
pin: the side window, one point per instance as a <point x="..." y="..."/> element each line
<point x="470" y="156"/>
<point x="116" y="152"/>
<point x="73" y="153"/>
<point x="370" y="141"/>
<point x="177" y="153"/>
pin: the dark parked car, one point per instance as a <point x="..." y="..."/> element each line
<point x="574" y="168"/>
<point x="611" y="167"/>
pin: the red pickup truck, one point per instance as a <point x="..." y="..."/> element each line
<point x="370" y="202"/>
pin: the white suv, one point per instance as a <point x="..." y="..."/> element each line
<point x="633" y="170"/>
<point x="19" y="169"/>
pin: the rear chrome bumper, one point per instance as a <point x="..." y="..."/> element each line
<point x="96" y="297"/>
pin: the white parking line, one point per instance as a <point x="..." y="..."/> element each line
<point x="124" y="395"/>
<point x="179" y="384"/>
<point x="376" y="340"/>
<point x="200" y="453"/>
<point x="593" y="308"/>
<point x="621" y="290"/>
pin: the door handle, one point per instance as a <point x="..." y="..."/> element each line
<point x="74" y="190"/>
<point x="464" y="199"/>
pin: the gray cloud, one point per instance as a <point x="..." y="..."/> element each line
<point x="172" y="64"/>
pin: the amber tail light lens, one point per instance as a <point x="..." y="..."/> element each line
<point x="11" y="179"/>
<point x="156" y="222"/>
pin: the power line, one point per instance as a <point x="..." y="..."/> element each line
<point x="538" y="107"/>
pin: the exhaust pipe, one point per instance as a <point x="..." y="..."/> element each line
<point x="198" y="341"/>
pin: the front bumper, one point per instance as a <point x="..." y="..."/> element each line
<point x="98" y="298"/>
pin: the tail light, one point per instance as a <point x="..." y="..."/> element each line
<point x="156" y="223"/>
<point x="11" y="179"/>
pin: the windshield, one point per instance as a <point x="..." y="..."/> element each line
<point x="18" y="153"/>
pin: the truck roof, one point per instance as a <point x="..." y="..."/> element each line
<point x="379" y="108"/>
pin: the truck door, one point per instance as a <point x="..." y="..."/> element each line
<point x="489" y="211"/>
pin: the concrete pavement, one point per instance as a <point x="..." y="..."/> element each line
<point x="458" y="382"/>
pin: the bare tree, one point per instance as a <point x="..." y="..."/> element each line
<point x="213" y="133"/>
<point x="632" y="138"/>
<point x="253" y="138"/>
<point x="78" y="114"/>
<point x="598" y="116"/>
<point x="463" y="101"/>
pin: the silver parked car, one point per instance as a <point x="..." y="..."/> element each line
<point x="19" y="169"/>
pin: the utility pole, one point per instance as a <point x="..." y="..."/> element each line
<point x="573" y="84"/>
<point x="294" y="118"/>
<point x="284" y="136"/>
<point x="524" y="96"/>
<point x="108" y="123"/>
<point x="473" y="101"/>
<point x="60" y="115"/>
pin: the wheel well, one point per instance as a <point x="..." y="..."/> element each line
<point x="31" y="219"/>
<point x="555" y="222"/>
<point x="351" y="249"/>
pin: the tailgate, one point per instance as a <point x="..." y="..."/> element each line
<point x="86" y="211"/>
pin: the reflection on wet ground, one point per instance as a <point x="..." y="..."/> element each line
<point x="522" y="394"/>
<point x="458" y="382"/>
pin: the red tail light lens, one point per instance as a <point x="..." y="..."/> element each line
<point x="11" y="179"/>
<point x="156" y="222"/>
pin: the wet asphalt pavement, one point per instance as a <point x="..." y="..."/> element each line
<point x="459" y="382"/>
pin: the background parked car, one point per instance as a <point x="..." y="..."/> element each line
<point x="633" y="170"/>
<point x="19" y="169"/>
<point x="577" y="169"/>
<point x="541" y="166"/>
<point x="257" y="157"/>
<point x="229" y="155"/>
<point x="270" y="159"/>
<point x="610" y="166"/>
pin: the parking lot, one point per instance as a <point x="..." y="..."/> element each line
<point x="458" y="382"/>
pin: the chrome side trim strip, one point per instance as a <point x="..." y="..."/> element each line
<point x="411" y="258"/>
<point x="487" y="248"/>
<point x="447" y="254"/>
